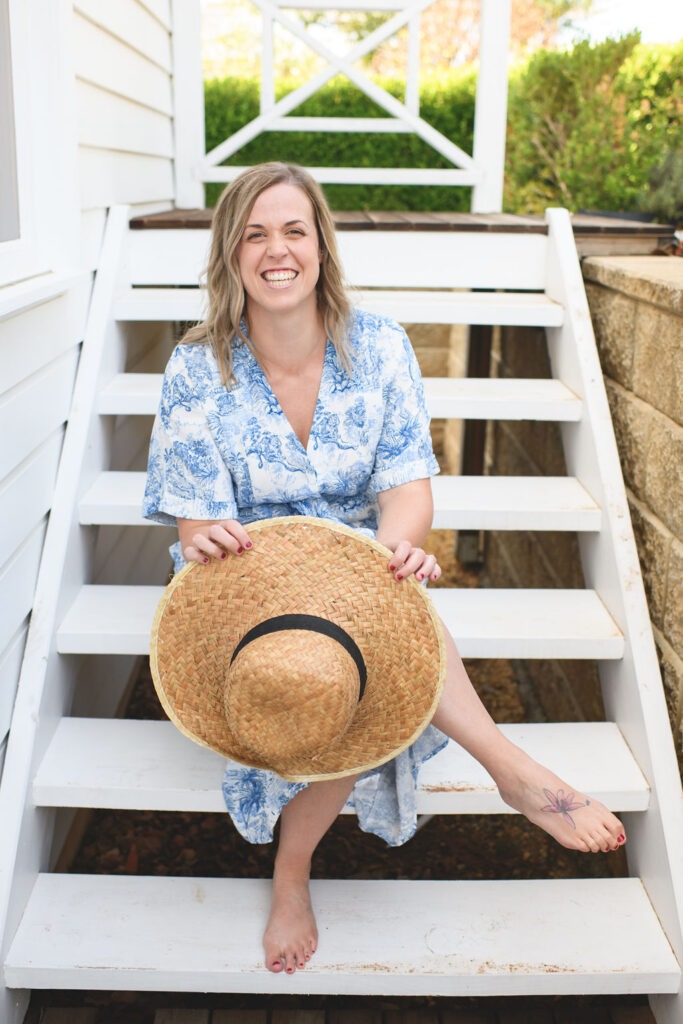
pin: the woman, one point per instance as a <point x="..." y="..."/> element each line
<point x="285" y="401"/>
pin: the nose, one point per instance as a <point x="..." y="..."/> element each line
<point x="277" y="245"/>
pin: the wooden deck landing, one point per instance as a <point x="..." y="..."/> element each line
<point x="595" y="235"/>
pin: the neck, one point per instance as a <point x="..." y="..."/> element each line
<point x="285" y="342"/>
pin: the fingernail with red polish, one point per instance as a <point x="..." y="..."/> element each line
<point x="420" y="576"/>
<point x="399" y="576"/>
<point x="240" y="550"/>
<point x="621" y="839"/>
<point x="205" y="561"/>
<point x="248" y="544"/>
<point x="224" y="555"/>
<point x="392" y="568"/>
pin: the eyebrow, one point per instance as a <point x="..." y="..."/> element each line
<point x="297" y="220"/>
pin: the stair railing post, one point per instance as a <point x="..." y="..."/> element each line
<point x="188" y="102"/>
<point x="490" y="116"/>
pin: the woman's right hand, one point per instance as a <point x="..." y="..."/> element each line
<point x="204" y="539"/>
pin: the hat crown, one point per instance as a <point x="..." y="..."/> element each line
<point x="290" y="694"/>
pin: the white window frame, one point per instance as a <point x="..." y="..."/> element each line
<point x="9" y="205"/>
<point x="44" y="137"/>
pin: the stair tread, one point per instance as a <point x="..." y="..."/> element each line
<point x="438" y="938"/>
<point x="137" y="394"/>
<point x="461" y="502"/>
<point x="533" y="309"/>
<point x="486" y="623"/>
<point x="150" y="765"/>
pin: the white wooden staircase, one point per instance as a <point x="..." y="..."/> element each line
<point x="103" y="573"/>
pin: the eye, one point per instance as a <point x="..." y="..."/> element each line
<point x="253" y="235"/>
<point x="295" y="231"/>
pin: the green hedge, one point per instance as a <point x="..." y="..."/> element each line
<point x="587" y="128"/>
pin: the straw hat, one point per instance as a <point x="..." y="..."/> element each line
<point x="303" y="655"/>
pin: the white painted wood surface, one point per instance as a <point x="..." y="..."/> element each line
<point x="48" y="390"/>
<point x="111" y="122"/>
<point x="447" y="397"/>
<point x="371" y="259"/>
<point x="422" y="307"/>
<point x="490" y="113"/>
<point x="633" y="694"/>
<point x="10" y="666"/>
<point x="111" y="64"/>
<point x="460" y="502"/>
<point x="45" y="688"/>
<point x="485" y="623"/>
<point x="150" y="765"/>
<point x="438" y="938"/>
<point x="26" y="494"/>
<point x="131" y="23"/>
<point x="41" y="321"/>
<point x="188" y="103"/>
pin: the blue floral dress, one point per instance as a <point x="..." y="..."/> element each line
<point x="230" y="453"/>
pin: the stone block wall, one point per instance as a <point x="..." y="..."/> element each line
<point x="637" y="310"/>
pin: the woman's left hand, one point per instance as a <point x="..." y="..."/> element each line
<point x="410" y="561"/>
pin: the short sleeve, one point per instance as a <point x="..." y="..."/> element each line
<point x="186" y="476"/>
<point x="404" y="452"/>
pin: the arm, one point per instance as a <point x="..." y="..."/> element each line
<point x="204" y="539"/>
<point x="405" y="520"/>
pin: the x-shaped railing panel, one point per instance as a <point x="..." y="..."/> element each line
<point x="403" y="116"/>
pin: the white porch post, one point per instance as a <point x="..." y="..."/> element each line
<point x="188" y="102"/>
<point x="490" y="117"/>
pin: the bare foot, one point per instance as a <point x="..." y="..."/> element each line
<point x="570" y="817"/>
<point x="291" y="935"/>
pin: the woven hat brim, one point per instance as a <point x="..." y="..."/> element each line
<point x="299" y="564"/>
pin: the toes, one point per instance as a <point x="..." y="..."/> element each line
<point x="276" y="966"/>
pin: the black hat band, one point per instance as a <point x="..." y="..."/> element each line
<point x="314" y="624"/>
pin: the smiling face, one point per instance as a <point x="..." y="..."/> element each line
<point x="279" y="253"/>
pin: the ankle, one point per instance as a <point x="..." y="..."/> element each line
<point x="291" y="868"/>
<point x="510" y="766"/>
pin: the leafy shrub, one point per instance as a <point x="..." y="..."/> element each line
<point x="587" y="129"/>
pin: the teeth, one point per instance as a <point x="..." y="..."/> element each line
<point x="279" y="275"/>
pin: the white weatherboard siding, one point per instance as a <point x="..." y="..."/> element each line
<point x="41" y="327"/>
<point x="113" y="115"/>
<point x="124" y="111"/>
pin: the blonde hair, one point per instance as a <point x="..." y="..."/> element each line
<point x="226" y="295"/>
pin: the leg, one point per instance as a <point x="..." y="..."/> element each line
<point x="571" y="818"/>
<point x="291" y="935"/>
